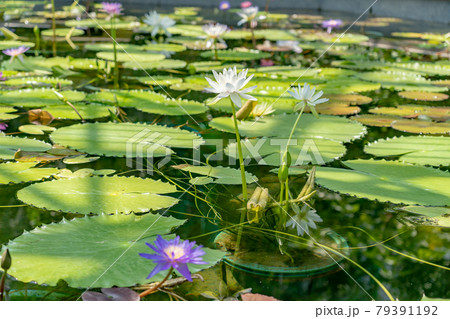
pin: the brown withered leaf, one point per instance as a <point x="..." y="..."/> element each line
<point x="40" y="117"/>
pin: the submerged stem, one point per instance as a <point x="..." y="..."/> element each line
<point x="116" y="67"/>
<point x="244" y="181"/>
<point x="216" y="55"/>
<point x="2" y="285"/>
<point x="153" y="289"/>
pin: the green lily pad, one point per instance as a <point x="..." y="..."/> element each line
<point x="208" y="66"/>
<point x="270" y="152"/>
<point x="14" y="172"/>
<point x="388" y="181"/>
<point x="375" y="120"/>
<point x="38" y="97"/>
<point x="36" y="129"/>
<point x="401" y="81"/>
<point x="104" y="251"/>
<point x="437" y="216"/>
<point x="347" y="86"/>
<point x="327" y="127"/>
<point x="87" y="64"/>
<point x="352" y="99"/>
<point x="421" y="127"/>
<point x="423" y="96"/>
<point x="218" y="174"/>
<point x="110" y="47"/>
<point x="4" y="116"/>
<point x="414" y="111"/>
<point x="82" y="159"/>
<point x="109" y="195"/>
<point x="166" y="64"/>
<point x="159" y="80"/>
<point x="36" y="81"/>
<point x="62" y="32"/>
<point x="87" y="111"/>
<point x="423" y="150"/>
<point x="6" y="44"/>
<point x="149" y="101"/>
<point x="347" y="38"/>
<point x="131" y="56"/>
<point x="37" y="64"/>
<point x="102" y="24"/>
<point x="234" y="55"/>
<point x="167" y="47"/>
<point x="125" y="139"/>
<point x="275" y="34"/>
<point x="10" y="145"/>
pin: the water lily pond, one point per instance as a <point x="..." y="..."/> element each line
<point x="240" y="153"/>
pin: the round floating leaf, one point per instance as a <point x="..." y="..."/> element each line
<point x="158" y="80"/>
<point x="102" y="24"/>
<point x="4" y="116"/>
<point x="423" y="150"/>
<point x="38" y="97"/>
<point x="110" y="47"/>
<point x="219" y="174"/>
<point x="167" y="47"/>
<point x="275" y="34"/>
<point x="347" y="38"/>
<point x="36" y="129"/>
<point x="421" y="127"/>
<point x="327" y="127"/>
<point x="37" y="64"/>
<point x="156" y="65"/>
<point x="423" y="96"/>
<point x="234" y="55"/>
<point x="414" y="111"/>
<point x="99" y="251"/>
<point x="375" y="120"/>
<point x="353" y="99"/>
<point x="270" y="151"/>
<point x="125" y="139"/>
<point x="62" y="32"/>
<point x="133" y="56"/>
<point x="6" y="44"/>
<point x="36" y="81"/>
<point x="208" y="66"/>
<point x="388" y="181"/>
<point x="347" y="85"/>
<point x="82" y="159"/>
<point x="87" y="64"/>
<point x="87" y="111"/>
<point x="437" y="216"/>
<point x="401" y="81"/>
<point x="13" y="172"/>
<point x="333" y="108"/>
<point x="109" y="195"/>
<point x="149" y="101"/>
<point x="10" y="145"/>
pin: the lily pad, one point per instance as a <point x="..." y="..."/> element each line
<point x="125" y="139"/>
<point x="423" y="96"/>
<point x="327" y="127"/>
<point x="104" y="251"/>
<point x="87" y="111"/>
<point x="352" y="99"/>
<point x="36" y="129"/>
<point x="218" y="174"/>
<point x="423" y="150"/>
<point x="131" y="56"/>
<point x="421" y="127"/>
<point x="414" y="111"/>
<point x="235" y="55"/>
<point x="82" y="159"/>
<point x="109" y="195"/>
<point x="166" y="64"/>
<point x="10" y="145"/>
<point x="36" y="81"/>
<point x="401" y="81"/>
<point x="375" y="120"/>
<point x="38" y="97"/>
<point x="14" y="172"/>
<point x="437" y="216"/>
<point x="388" y="181"/>
<point x="6" y="44"/>
<point x="303" y="151"/>
<point x="149" y="101"/>
<point x="159" y="80"/>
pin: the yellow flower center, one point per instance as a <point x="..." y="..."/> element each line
<point x="174" y="252"/>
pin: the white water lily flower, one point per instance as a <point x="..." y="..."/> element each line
<point x="305" y="219"/>
<point x="290" y="44"/>
<point x="248" y="15"/>
<point x="262" y="109"/>
<point x="158" y="23"/>
<point x="214" y="33"/>
<point x="307" y="97"/>
<point x="231" y="84"/>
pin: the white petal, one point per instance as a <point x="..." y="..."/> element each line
<point x="236" y="99"/>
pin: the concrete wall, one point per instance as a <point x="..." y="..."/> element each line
<point x="421" y="10"/>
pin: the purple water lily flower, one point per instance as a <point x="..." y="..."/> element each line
<point x="224" y="5"/>
<point x="330" y="24"/>
<point x="16" y="52"/>
<point x="3" y="126"/>
<point x="112" y="8"/>
<point x="176" y="254"/>
<point x="2" y="78"/>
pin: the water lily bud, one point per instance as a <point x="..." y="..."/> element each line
<point x="256" y="204"/>
<point x="308" y="188"/>
<point x="283" y="171"/>
<point x="60" y="96"/>
<point x="6" y="260"/>
<point x="245" y="110"/>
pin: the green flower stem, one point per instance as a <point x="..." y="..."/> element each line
<point x="153" y="289"/>
<point x="244" y="181"/>
<point x="253" y="36"/>
<point x="2" y="284"/>
<point x="53" y="28"/>
<point x="216" y="55"/>
<point x="295" y="126"/>
<point x="116" y="67"/>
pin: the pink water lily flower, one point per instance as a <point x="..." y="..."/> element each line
<point x="16" y="52"/>
<point x="246" y="4"/>
<point x="112" y="8"/>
